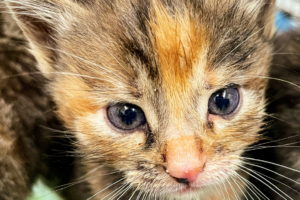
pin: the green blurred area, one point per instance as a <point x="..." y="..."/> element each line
<point x="41" y="192"/>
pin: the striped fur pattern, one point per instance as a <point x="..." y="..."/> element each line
<point x="167" y="57"/>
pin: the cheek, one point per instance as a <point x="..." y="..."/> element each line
<point x="73" y="100"/>
<point x="235" y="133"/>
<point x="98" y="124"/>
<point x="250" y="105"/>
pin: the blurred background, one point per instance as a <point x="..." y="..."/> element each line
<point x="288" y="15"/>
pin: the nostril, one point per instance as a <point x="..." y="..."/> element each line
<point x="182" y="180"/>
<point x="185" y="160"/>
<point x="164" y="158"/>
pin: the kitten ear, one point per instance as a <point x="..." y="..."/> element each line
<point x="40" y="21"/>
<point x="267" y="18"/>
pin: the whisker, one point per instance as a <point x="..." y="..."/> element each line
<point x="261" y="167"/>
<point x="221" y="187"/>
<point x="139" y="194"/>
<point x="114" y="57"/>
<point x="107" y="187"/>
<point x="244" y="190"/>
<point x="225" y="189"/>
<point x="277" y="181"/>
<point x="273" y="116"/>
<point x="272" y="163"/>
<point x="121" y="189"/>
<point x="83" y="179"/>
<point x="255" y="190"/>
<point x="239" y="187"/>
<point x="272" y="78"/>
<point x="80" y="180"/>
<point x="110" y="71"/>
<point x="275" y="54"/>
<point x="289" y="145"/>
<point x="128" y="188"/>
<point x="116" y="192"/>
<point x="266" y="182"/>
<point x="275" y="141"/>
<point x="56" y="73"/>
<point x="133" y="193"/>
<point x="233" y="189"/>
<point x="144" y="196"/>
<point x="248" y="38"/>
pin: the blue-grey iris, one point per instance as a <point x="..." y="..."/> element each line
<point x="224" y="102"/>
<point x="125" y="116"/>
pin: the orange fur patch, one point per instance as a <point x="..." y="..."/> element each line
<point x="74" y="99"/>
<point x="179" y="42"/>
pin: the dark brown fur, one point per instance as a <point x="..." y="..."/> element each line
<point x="26" y="111"/>
<point x="284" y="98"/>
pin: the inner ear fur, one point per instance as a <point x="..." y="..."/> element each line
<point x="266" y="18"/>
<point x="39" y="21"/>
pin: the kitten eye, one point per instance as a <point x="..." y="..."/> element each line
<point x="126" y="117"/>
<point x="224" y="101"/>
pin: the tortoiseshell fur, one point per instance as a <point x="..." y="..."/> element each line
<point x="167" y="57"/>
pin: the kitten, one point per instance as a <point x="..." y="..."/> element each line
<point x="163" y="97"/>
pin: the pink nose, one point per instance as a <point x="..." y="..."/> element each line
<point x="185" y="160"/>
<point x="190" y="175"/>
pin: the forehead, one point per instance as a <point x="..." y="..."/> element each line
<point x="171" y="40"/>
<point x="177" y="45"/>
<point x="180" y="44"/>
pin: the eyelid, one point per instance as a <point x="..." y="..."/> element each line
<point x="230" y="85"/>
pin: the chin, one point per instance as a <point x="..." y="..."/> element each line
<point x="189" y="193"/>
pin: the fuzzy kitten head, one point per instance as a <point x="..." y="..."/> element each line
<point x="168" y="93"/>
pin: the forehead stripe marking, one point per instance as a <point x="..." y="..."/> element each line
<point x="178" y="40"/>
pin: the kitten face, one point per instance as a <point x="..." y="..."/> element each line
<point x="168" y="93"/>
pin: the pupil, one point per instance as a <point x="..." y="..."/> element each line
<point x="222" y="102"/>
<point x="128" y="115"/>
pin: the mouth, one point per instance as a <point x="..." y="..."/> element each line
<point x="188" y="189"/>
<point x="195" y="188"/>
